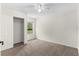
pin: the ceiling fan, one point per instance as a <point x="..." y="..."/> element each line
<point x="41" y="7"/>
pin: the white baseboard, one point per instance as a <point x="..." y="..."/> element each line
<point x="59" y="43"/>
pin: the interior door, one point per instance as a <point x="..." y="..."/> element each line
<point x="18" y="30"/>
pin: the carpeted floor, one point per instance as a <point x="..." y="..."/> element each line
<point x="40" y="48"/>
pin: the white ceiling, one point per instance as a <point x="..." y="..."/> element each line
<point x="30" y="7"/>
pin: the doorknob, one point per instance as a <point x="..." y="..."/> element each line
<point x="2" y="42"/>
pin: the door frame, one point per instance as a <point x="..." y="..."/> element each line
<point x="13" y="28"/>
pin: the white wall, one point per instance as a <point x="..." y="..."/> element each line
<point x="0" y="27"/>
<point x="7" y="26"/>
<point x="78" y="28"/>
<point x="60" y="26"/>
<point x="0" y="21"/>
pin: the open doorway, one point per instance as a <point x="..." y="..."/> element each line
<point x="31" y="29"/>
<point x="18" y="31"/>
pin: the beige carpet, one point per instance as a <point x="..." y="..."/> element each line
<point x="40" y="48"/>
